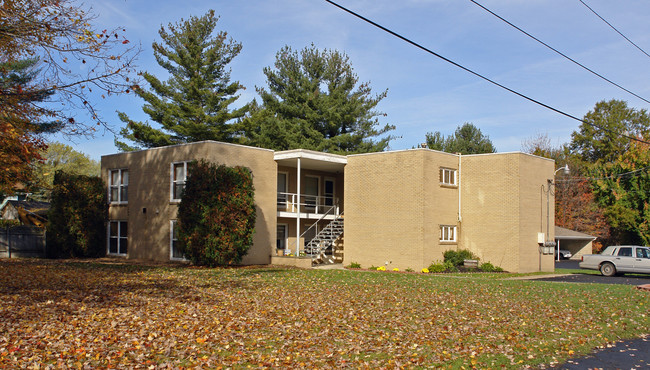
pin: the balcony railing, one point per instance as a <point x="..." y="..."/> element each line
<point x="318" y="204"/>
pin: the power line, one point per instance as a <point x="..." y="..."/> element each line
<point x="614" y="28"/>
<point x="625" y="174"/>
<point x="559" y="52"/>
<point x="481" y="76"/>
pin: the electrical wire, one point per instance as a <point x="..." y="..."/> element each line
<point x="559" y="52"/>
<point x="625" y="174"/>
<point x="615" y="29"/>
<point x="480" y="75"/>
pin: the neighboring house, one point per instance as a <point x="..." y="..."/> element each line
<point x="27" y="211"/>
<point x="401" y="209"/>
<point x="575" y="242"/>
<point x="28" y="239"/>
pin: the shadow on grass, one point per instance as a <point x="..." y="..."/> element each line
<point x="30" y="288"/>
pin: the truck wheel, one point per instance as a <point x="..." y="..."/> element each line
<point x="607" y="269"/>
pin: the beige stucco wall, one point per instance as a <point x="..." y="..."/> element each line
<point x="149" y="187"/>
<point x="394" y="206"/>
<point x="504" y="207"/>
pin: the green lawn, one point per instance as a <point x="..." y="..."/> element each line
<point x="107" y="315"/>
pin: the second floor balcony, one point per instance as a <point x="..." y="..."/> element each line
<point x="311" y="206"/>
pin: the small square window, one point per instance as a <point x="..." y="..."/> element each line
<point x="447" y="233"/>
<point x="447" y="176"/>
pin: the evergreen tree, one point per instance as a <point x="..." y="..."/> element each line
<point x="467" y="139"/>
<point x="21" y="122"/>
<point x="313" y="101"/>
<point x="193" y="104"/>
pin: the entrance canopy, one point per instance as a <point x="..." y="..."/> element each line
<point x="312" y="160"/>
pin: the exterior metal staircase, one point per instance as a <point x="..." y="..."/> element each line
<point x="323" y="242"/>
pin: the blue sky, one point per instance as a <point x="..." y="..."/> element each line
<point x="425" y="94"/>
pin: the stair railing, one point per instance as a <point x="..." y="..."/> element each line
<point x="327" y="213"/>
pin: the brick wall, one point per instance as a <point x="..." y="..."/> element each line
<point x="149" y="209"/>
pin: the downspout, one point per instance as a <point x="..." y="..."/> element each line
<point x="298" y="207"/>
<point x="460" y="217"/>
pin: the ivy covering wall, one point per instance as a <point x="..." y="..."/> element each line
<point x="216" y="216"/>
<point x="77" y="217"/>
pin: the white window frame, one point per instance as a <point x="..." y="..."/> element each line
<point x="119" y="186"/>
<point x="173" y="182"/>
<point x="445" y="231"/>
<point x="172" y="224"/>
<point x="119" y="238"/>
<point x="448" y="176"/>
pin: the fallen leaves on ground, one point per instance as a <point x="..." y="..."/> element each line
<point x="69" y="314"/>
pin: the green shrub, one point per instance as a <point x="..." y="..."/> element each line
<point x="373" y="267"/>
<point x="488" y="267"/>
<point x="76" y="225"/>
<point x="354" y="265"/>
<point x="458" y="257"/>
<point x="216" y="216"/>
<point x="438" y="267"/>
<point x="408" y="269"/>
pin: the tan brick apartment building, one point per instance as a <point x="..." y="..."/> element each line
<point x="400" y="209"/>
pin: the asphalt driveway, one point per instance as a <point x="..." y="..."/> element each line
<point x="628" y="279"/>
<point x="630" y="354"/>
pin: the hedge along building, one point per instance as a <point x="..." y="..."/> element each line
<point x="400" y="209"/>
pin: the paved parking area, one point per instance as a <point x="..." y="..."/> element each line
<point x="630" y="354"/>
<point x="635" y="279"/>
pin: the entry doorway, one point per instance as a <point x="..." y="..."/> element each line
<point x="281" y="237"/>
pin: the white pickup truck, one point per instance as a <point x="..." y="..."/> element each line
<point x="619" y="259"/>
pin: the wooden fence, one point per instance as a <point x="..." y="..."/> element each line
<point x="22" y="241"/>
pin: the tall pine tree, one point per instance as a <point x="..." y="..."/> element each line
<point x="467" y="139"/>
<point x="314" y="101"/>
<point x="194" y="103"/>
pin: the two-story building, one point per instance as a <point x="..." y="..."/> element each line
<point x="400" y="208"/>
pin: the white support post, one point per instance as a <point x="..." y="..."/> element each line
<point x="298" y="207"/>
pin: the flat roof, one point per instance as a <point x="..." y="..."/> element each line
<point x="311" y="159"/>
<point x="186" y="144"/>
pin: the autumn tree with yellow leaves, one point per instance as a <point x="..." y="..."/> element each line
<point x="53" y="67"/>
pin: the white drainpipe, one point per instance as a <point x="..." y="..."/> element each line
<point x="298" y="209"/>
<point x="460" y="218"/>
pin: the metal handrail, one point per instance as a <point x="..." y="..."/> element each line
<point x="307" y="203"/>
<point x="295" y="244"/>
